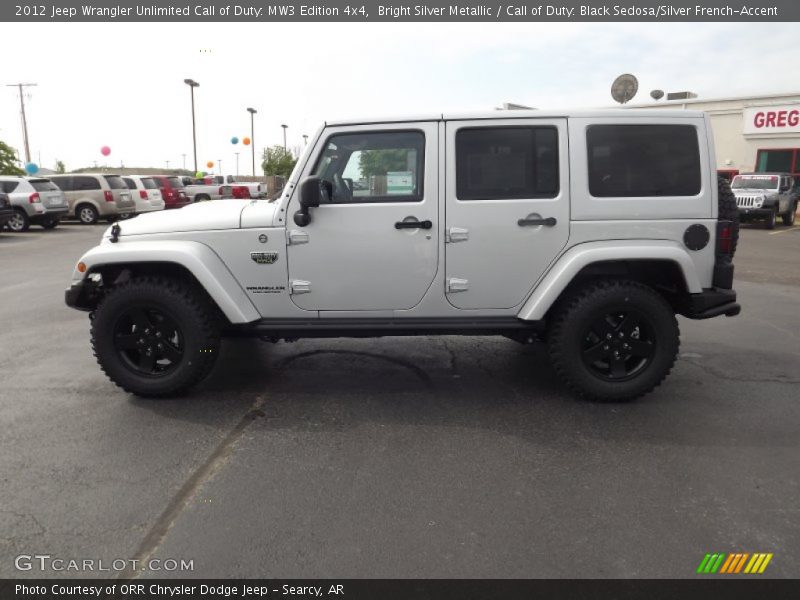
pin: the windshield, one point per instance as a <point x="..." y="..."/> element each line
<point x="746" y="182"/>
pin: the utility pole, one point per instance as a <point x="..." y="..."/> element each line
<point x="193" y="84"/>
<point x="285" y="127"/>
<point x="219" y="164"/>
<point x="252" y="112"/>
<point x="184" y="161"/>
<point x="237" y="163"/>
<point x="24" y="120"/>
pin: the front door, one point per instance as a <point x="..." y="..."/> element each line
<point x="373" y="246"/>
<point x="507" y="208"/>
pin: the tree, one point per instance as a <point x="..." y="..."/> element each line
<point x="8" y="161"/>
<point x="278" y="161"/>
<point x="60" y="168"/>
<point x="380" y="162"/>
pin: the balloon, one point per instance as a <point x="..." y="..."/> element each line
<point x="31" y="168"/>
<point x="210" y="164"/>
<point x="105" y="150"/>
<point x="246" y="141"/>
<point x="234" y="140"/>
<point x="199" y="175"/>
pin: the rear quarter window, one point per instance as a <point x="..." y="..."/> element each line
<point x="643" y="160"/>
<point x="44" y="185"/>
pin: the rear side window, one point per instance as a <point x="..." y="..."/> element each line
<point x="502" y="163"/>
<point x="175" y="182"/>
<point x="115" y="182"/>
<point x="43" y="185"/>
<point x="80" y="183"/>
<point x="63" y="183"/>
<point x="643" y="160"/>
<point x="8" y="186"/>
<point x="148" y="183"/>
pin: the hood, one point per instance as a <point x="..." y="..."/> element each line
<point x="201" y="216"/>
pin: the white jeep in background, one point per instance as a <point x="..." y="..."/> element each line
<point x="589" y="231"/>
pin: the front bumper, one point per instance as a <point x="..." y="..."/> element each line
<point x="755" y="213"/>
<point x="82" y="295"/>
<point x="711" y="302"/>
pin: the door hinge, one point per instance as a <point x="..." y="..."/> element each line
<point x="299" y="286"/>
<point x="454" y="284"/>
<point x="456" y="234"/>
<point x="295" y="236"/>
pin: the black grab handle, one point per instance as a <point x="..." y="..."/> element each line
<point x="548" y="222"/>
<point x="413" y="225"/>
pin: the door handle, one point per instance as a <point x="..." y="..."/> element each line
<point x="413" y="225"/>
<point x="548" y="222"/>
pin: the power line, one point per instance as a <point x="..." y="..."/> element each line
<point x="24" y="120"/>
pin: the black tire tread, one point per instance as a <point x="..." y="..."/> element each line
<point x="559" y="357"/>
<point x="195" y="302"/>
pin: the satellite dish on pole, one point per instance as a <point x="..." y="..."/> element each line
<point x="624" y="88"/>
<point x="657" y="94"/>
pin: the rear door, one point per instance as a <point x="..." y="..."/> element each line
<point x="507" y="208"/>
<point x="49" y="193"/>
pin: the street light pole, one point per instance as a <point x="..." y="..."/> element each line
<point x="184" y="161"/>
<point x="285" y="127"/>
<point x="237" y="163"/>
<point x="305" y="140"/>
<point x="219" y="163"/>
<point x="193" y="84"/>
<point x="252" y="112"/>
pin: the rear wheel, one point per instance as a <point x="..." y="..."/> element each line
<point x="614" y="341"/>
<point x="790" y="215"/>
<point x="50" y="223"/>
<point x="19" y="221"/>
<point x="87" y="214"/>
<point x="155" y="337"/>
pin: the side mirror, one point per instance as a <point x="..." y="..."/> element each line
<point x="313" y="192"/>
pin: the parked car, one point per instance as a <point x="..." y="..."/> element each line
<point x="92" y="196"/>
<point x="145" y="192"/>
<point x="587" y="230"/>
<point x="35" y="200"/>
<point x="6" y="212"/>
<point x="172" y="190"/>
<point x="765" y="196"/>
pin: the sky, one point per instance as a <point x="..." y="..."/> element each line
<point x="121" y="84"/>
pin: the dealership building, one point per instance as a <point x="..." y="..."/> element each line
<point x="750" y="133"/>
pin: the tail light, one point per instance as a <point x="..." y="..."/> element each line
<point x="34" y="198"/>
<point x="108" y="195"/>
<point x="143" y="194"/>
<point x="724" y="238"/>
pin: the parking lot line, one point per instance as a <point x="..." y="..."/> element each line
<point x="793" y="228"/>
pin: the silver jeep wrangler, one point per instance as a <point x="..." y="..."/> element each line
<point x="589" y="231"/>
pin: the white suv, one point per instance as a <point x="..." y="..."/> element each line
<point x="145" y="193"/>
<point x="35" y="200"/>
<point x="588" y="231"/>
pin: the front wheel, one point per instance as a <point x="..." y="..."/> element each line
<point x="772" y="219"/>
<point x="614" y="341"/>
<point x="155" y="337"/>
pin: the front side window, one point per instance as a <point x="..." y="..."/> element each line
<point x="374" y="167"/>
<point x="502" y="163"/>
<point x="643" y="160"/>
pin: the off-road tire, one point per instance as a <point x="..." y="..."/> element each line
<point x="728" y="210"/>
<point x="789" y="216"/>
<point x="19" y="221"/>
<point x="194" y="315"/>
<point x="772" y="219"/>
<point x="86" y="214"/>
<point x="569" y="331"/>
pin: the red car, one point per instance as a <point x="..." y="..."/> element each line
<point x="171" y="188"/>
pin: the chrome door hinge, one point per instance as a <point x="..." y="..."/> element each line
<point x="456" y="234"/>
<point x="454" y="284"/>
<point x="298" y="286"/>
<point x="295" y="236"/>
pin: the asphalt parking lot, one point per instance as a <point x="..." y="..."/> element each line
<point x="427" y="457"/>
